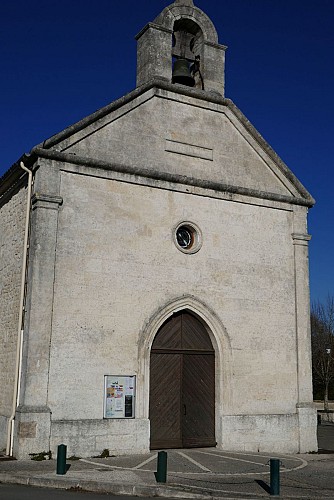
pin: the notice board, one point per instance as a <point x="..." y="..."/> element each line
<point x="119" y="396"/>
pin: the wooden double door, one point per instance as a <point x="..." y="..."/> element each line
<point x="182" y="385"/>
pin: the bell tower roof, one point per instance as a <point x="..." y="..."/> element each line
<point x="181" y="31"/>
<point x="184" y="2"/>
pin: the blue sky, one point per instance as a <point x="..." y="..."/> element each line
<point x="62" y="60"/>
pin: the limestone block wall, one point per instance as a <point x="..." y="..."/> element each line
<point x="12" y="221"/>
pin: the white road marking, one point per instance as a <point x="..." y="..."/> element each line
<point x="205" y="469"/>
<point x="231" y="458"/>
<point x="193" y="461"/>
<point x="145" y="462"/>
<point x="303" y="464"/>
<point x="101" y="465"/>
<point x="247" y="454"/>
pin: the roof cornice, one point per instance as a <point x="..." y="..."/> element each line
<point x="166" y="176"/>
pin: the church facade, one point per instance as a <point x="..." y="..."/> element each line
<point x="163" y="299"/>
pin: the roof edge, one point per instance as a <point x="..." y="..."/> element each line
<point x="271" y="152"/>
<point x="15" y="173"/>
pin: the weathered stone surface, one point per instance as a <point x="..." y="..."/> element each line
<point x="27" y="429"/>
<point x="12" y="222"/>
<point x="261" y="433"/>
<point x="88" y="438"/>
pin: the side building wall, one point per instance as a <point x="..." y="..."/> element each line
<point x="12" y="222"/>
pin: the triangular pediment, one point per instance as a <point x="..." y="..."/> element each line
<point x="186" y="136"/>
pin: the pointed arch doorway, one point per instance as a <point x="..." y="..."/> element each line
<point x="182" y="385"/>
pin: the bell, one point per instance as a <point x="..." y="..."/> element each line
<point x="181" y="73"/>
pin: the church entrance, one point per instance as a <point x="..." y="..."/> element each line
<point x="182" y="385"/>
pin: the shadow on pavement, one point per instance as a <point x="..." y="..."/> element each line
<point x="326" y="438"/>
<point x="263" y="485"/>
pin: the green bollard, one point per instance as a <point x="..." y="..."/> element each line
<point x="274" y="477"/>
<point x="161" y="474"/>
<point x="61" y="459"/>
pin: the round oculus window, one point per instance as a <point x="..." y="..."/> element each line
<point x="184" y="237"/>
<point x="187" y="237"/>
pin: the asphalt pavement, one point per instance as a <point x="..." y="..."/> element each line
<point x="191" y="473"/>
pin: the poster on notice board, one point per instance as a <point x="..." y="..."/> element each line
<point x="119" y="396"/>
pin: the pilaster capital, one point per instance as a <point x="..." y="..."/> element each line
<point x="33" y="409"/>
<point x="51" y="202"/>
<point x="301" y="239"/>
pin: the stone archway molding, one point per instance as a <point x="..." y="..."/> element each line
<point x="220" y="341"/>
<point x="187" y="10"/>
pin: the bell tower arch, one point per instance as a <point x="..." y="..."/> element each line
<point x="181" y="46"/>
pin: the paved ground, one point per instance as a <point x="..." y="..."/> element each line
<point x="197" y="473"/>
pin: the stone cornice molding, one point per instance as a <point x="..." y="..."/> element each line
<point x="155" y="26"/>
<point x="167" y="177"/>
<point x="216" y="45"/>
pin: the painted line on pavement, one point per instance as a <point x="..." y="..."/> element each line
<point x="194" y="461"/>
<point x="231" y="458"/>
<point x="303" y="464"/>
<point x="247" y="454"/>
<point x="205" y="470"/>
<point x="145" y="462"/>
<point x="99" y="464"/>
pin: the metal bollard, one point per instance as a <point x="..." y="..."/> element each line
<point x="61" y="459"/>
<point x="161" y="474"/>
<point x="274" y="476"/>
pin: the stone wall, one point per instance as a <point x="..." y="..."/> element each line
<point x="12" y="222"/>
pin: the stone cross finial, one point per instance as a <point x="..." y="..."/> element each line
<point x="184" y="2"/>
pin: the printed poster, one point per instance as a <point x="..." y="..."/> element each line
<point x="119" y="396"/>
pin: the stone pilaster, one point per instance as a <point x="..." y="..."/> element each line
<point x="154" y="59"/>
<point x="305" y="408"/>
<point x="300" y="242"/>
<point x="33" y="417"/>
